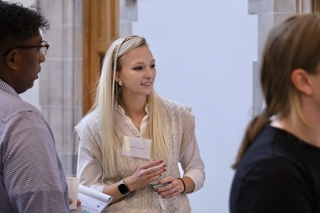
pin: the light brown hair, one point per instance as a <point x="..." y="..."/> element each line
<point x="293" y="44"/>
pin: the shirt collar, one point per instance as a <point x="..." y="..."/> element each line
<point x="8" y="89"/>
<point x="146" y="108"/>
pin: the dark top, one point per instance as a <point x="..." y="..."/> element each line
<point x="278" y="174"/>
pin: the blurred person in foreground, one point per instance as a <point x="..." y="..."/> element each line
<point x="277" y="167"/>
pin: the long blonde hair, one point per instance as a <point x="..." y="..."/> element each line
<point x="293" y="44"/>
<point x="106" y="101"/>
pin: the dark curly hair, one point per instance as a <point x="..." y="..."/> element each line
<point x="18" y="24"/>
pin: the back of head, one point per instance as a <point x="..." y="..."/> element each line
<point x="293" y="44"/>
<point x="18" y="24"/>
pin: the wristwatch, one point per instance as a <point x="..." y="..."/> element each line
<point x="123" y="187"/>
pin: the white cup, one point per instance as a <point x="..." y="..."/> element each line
<point x="73" y="188"/>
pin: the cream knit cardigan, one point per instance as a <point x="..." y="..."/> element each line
<point x="179" y="132"/>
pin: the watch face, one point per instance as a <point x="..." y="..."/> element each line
<point x="123" y="189"/>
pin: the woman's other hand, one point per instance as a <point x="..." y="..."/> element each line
<point x="173" y="187"/>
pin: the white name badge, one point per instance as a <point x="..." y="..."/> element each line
<point x="136" y="147"/>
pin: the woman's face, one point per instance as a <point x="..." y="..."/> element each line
<point x="138" y="72"/>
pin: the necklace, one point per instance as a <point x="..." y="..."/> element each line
<point x="133" y="121"/>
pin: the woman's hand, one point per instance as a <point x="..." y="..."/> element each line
<point x="173" y="188"/>
<point x="145" y="174"/>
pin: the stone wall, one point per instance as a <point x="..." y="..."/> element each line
<point x="61" y="76"/>
<point x="128" y="14"/>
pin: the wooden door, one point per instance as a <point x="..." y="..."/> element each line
<point x="100" y="29"/>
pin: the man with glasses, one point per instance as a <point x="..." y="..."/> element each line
<point x="31" y="174"/>
<point x="42" y="48"/>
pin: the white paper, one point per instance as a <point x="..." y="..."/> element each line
<point x="92" y="201"/>
<point x="136" y="147"/>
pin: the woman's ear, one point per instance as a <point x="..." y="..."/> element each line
<point x="301" y="81"/>
<point x="118" y="78"/>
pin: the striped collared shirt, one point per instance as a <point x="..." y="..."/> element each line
<point x="31" y="175"/>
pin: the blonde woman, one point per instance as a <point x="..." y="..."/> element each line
<point x="133" y="137"/>
<point x="277" y="167"/>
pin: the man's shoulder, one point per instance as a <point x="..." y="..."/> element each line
<point x="11" y="106"/>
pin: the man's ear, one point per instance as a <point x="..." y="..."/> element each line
<point x="12" y="59"/>
<point x="301" y="80"/>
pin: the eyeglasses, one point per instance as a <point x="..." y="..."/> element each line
<point x="43" y="47"/>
